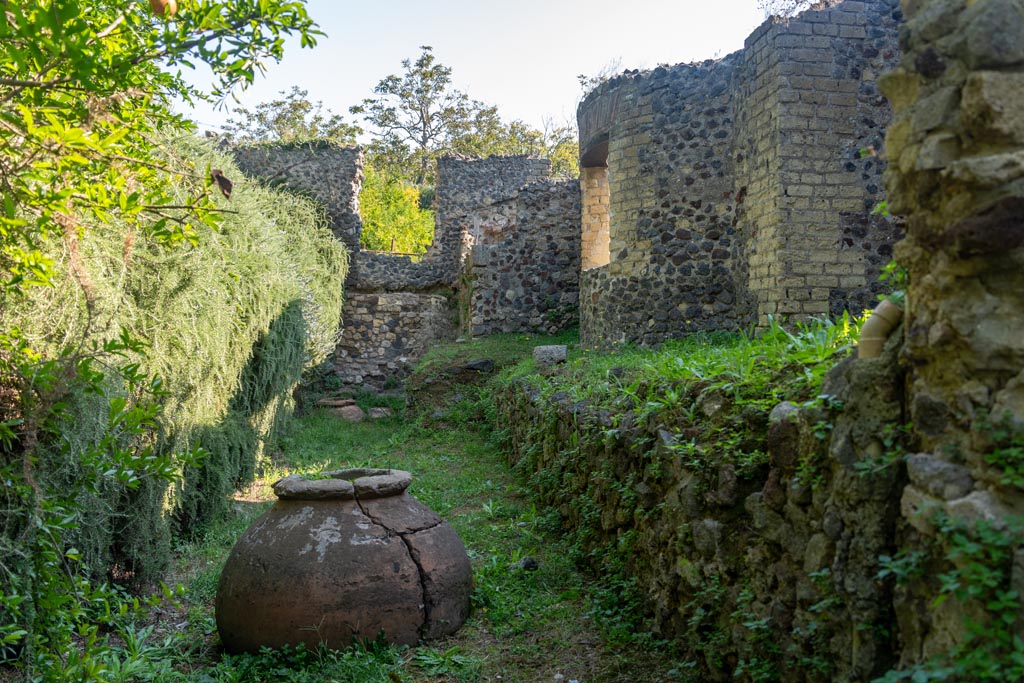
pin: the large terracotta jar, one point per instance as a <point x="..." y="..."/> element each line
<point x="349" y="556"/>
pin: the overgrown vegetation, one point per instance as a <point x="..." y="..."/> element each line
<point x="534" y="614"/>
<point x="531" y="619"/>
<point x="635" y="447"/>
<point x="227" y="327"/>
<point x="758" y="370"/>
<point x="972" y="562"/>
<point x="113" y="382"/>
<point x="706" y="397"/>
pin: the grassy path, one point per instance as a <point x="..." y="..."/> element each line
<point x="547" y="624"/>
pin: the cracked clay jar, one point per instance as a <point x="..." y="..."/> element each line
<point x="348" y="556"/>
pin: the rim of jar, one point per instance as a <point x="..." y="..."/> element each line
<point x="347" y="484"/>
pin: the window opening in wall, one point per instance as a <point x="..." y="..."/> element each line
<point x="596" y="219"/>
<point x="397" y="215"/>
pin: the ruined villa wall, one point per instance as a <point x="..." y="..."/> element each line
<point x="526" y="226"/>
<point x="471" y="200"/>
<point x="525" y="275"/>
<point x="397" y="308"/>
<point x="884" y="538"/>
<point x="737" y="187"/>
<point x="830" y="246"/>
<point x="384" y="331"/>
<point x="324" y="171"/>
<point x="672" y="206"/>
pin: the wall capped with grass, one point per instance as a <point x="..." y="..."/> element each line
<point x="724" y="483"/>
<point x="222" y="326"/>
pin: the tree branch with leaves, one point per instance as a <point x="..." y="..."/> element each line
<point x="85" y="93"/>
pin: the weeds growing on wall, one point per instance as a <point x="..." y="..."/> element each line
<point x="608" y="438"/>
<point x="746" y="367"/>
<point x="676" y="383"/>
<point x="973" y="564"/>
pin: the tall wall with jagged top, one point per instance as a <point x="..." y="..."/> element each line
<point x="742" y="188"/>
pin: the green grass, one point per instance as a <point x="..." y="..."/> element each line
<point x="741" y="364"/>
<point x="526" y="626"/>
<point x="503" y="349"/>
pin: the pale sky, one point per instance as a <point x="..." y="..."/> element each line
<point x="523" y="56"/>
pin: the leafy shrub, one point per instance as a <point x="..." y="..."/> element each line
<point x="393" y="219"/>
<point x="186" y="361"/>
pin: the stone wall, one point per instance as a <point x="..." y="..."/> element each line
<point x="672" y="206"/>
<point x="525" y="226"/>
<point x="470" y="199"/>
<point x="883" y="539"/>
<point x="502" y="207"/>
<point x="743" y="187"/>
<point x="386" y="331"/>
<point x="324" y="171"/>
<point x="758" y="571"/>
<point x="956" y="148"/>
<point x="525" y="265"/>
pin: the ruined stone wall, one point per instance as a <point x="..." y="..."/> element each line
<point x="468" y="196"/>
<point x="394" y="312"/>
<point x="525" y="274"/>
<point x="527" y="227"/>
<point x="956" y="148"/>
<point x="672" y="206"/>
<point x="324" y="171"/>
<point x="767" y="570"/>
<point x="738" y="188"/>
<point x="883" y="538"/>
<point x="384" y="332"/>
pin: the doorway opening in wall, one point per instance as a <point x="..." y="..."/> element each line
<point x="595" y="193"/>
<point x="397" y="215"/>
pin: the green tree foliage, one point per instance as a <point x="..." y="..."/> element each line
<point x="85" y="89"/>
<point x="389" y="204"/>
<point x="418" y="116"/>
<point x="292" y="118"/>
<point x="561" y="144"/>
<point x="392" y="217"/>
